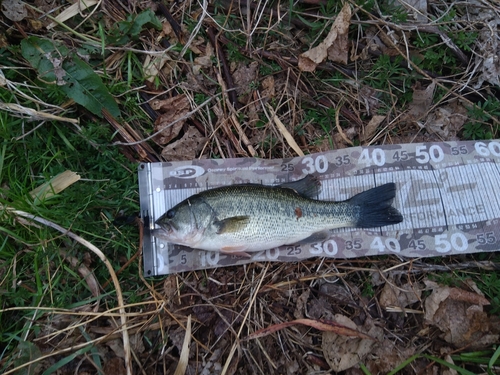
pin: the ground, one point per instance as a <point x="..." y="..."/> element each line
<point x="95" y="88"/>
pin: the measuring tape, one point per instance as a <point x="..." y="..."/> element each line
<point x="448" y="194"/>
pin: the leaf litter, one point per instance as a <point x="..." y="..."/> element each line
<point x="274" y="318"/>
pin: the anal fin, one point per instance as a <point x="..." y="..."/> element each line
<point x="315" y="237"/>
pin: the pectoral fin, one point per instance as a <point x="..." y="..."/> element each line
<point x="231" y="224"/>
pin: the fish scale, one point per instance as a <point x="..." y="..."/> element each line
<point x="243" y="218"/>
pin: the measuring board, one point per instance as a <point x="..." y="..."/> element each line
<point x="448" y="194"/>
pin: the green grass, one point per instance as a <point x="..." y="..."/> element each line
<point x="32" y="270"/>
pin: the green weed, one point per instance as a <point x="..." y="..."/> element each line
<point x="480" y="114"/>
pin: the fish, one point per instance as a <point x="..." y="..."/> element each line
<point x="243" y="218"/>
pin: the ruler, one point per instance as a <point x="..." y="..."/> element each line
<point x="448" y="194"/>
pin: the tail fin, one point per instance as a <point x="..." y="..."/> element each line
<point x="375" y="207"/>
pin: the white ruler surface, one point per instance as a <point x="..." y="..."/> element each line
<point x="448" y="194"/>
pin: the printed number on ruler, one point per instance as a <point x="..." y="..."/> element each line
<point x="271" y="254"/>
<point x="434" y="153"/>
<point x="328" y="247"/>
<point x="318" y="164"/>
<point x="457" y="242"/>
<point x="486" y="238"/>
<point x="493" y="148"/>
<point x="209" y="258"/>
<point x="390" y="244"/>
<point x="370" y="157"/>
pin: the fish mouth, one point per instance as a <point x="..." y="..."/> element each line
<point x="167" y="226"/>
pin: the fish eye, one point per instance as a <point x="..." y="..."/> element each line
<point x="170" y="214"/>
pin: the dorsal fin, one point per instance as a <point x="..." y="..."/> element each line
<point x="308" y="187"/>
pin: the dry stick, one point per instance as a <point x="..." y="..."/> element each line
<point x="236" y="344"/>
<point x="225" y="126"/>
<point x="157" y="295"/>
<point x="100" y="254"/>
<point x="225" y="67"/>
<point x="18" y="111"/>
<point x="173" y="22"/>
<point x="125" y="135"/>
<point x="187" y="115"/>
<point x="284" y="131"/>
<point x="339" y="128"/>
<point x="241" y="133"/>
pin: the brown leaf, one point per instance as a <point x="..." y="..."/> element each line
<point x="343" y="352"/>
<point x="469" y="297"/>
<point x="459" y="315"/>
<point x="14" y="10"/>
<point x="339" y="49"/>
<point x="447" y="121"/>
<point x="388" y="355"/>
<point x="334" y="45"/>
<point x="392" y="296"/>
<point x="306" y="64"/>
<point x="268" y="87"/>
<point x="370" y="129"/>
<point x="422" y="100"/>
<point x="300" y="304"/>
<point x="172" y="110"/>
<point x="243" y="77"/>
<point x="114" y="366"/>
<point x="186" y="148"/>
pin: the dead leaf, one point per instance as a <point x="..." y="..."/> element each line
<point x="370" y="129"/>
<point x="334" y="45"/>
<point x="268" y="88"/>
<point x="343" y="352"/>
<point x="422" y="100"/>
<point x="204" y="61"/>
<point x="49" y="6"/>
<point x="114" y="366"/>
<point x="402" y="296"/>
<point x="370" y="98"/>
<point x="186" y="148"/>
<point x="172" y="109"/>
<point x="387" y="355"/>
<point x="417" y="9"/>
<point x="213" y="365"/>
<point x="14" y="10"/>
<point x="243" y="77"/>
<point x="459" y="315"/>
<point x="300" y="305"/>
<point x="487" y="61"/>
<point x="116" y="346"/>
<point x="54" y="186"/>
<point x="154" y="64"/>
<point x="73" y="10"/>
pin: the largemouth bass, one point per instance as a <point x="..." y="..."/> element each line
<point x="243" y="218"/>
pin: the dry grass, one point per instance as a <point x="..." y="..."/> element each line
<point x="222" y="80"/>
